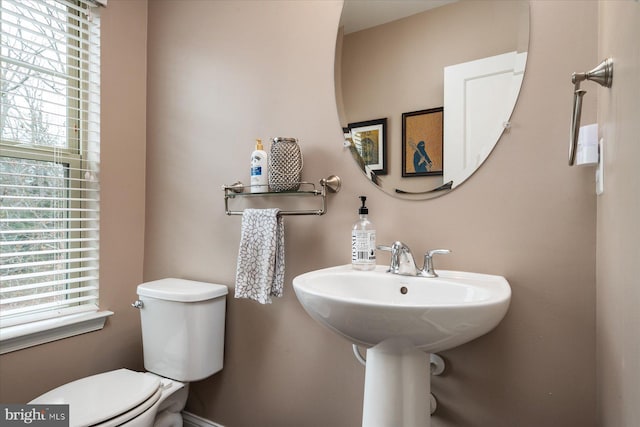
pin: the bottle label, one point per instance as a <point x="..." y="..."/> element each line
<point x="363" y="247"/>
<point x="256" y="170"/>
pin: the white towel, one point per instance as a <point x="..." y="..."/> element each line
<point x="260" y="269"/>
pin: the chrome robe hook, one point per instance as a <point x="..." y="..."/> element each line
<point x="603" y="75"/>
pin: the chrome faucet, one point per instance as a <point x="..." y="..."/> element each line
<point x="403" y="263"/>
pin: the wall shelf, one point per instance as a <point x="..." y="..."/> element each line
<point x="330" y="184"/>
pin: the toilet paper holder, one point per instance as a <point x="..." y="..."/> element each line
<point x="603" y="75"/>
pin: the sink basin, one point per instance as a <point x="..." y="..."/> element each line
<point x="401" y="319"/>
<point x="432" y="314"/>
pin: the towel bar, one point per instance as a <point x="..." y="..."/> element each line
<point x="331" y="184"/>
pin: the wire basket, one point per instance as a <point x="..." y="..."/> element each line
<point x="285" y="164"/>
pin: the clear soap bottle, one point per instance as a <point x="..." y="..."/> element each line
<point x="363" y="240"/>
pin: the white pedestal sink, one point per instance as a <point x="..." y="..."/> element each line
<point x="401" y="319"/>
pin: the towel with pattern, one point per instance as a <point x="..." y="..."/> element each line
<point x="260" y="269"/>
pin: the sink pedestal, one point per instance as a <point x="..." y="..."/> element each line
<point x="396" y="386"/>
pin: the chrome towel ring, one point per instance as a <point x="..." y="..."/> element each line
<point x="603" y="75"/>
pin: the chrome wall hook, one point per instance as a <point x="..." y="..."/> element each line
<point x="603" y="75"/>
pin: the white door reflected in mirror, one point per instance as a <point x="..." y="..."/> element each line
<point x="478" y="98"/>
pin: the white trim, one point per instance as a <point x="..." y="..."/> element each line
<point x="192" y="420"/>
<point x="17" y="337"/>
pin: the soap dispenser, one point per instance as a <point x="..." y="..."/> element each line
<point x="363" y="240"/>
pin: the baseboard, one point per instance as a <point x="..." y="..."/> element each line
<point x="192" y="420"/>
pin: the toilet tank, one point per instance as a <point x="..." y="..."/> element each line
<point x="182" y="328"/>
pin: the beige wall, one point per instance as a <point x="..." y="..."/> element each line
<point x="27" y="373"/>
<point x="223" y="73"/>
<point x="618" y="271"/>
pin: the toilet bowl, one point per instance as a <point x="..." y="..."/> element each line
<point x="183" y="341"/>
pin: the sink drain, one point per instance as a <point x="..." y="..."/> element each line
<point x="404" y="290"/>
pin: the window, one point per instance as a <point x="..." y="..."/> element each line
<point x="49" y="159"/>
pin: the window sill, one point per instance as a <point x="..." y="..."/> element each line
<point x="18" y="337"/>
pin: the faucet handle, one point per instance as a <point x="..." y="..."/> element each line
<point x="395" y="249"/>
<point x="394" y="258"/>
<point x="427" y="269"/>
<point x="438" y="251"/>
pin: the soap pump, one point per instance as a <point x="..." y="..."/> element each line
<point x="363" y="240"/>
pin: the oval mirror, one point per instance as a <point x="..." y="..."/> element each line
<point x="426" y="88"/>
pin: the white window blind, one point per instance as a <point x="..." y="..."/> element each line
<point x="49" y="159"/>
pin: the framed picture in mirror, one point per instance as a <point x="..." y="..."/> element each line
<point x="422" y="142"/>
<point x="369" y="142"/>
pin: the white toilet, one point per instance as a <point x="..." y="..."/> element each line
<point x="183" y="341"/>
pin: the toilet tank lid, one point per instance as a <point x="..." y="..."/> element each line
<point x="181" y="290"/>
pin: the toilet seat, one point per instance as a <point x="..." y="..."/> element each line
<point x="109" y="399"/>
<point x="128" y="416"/>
